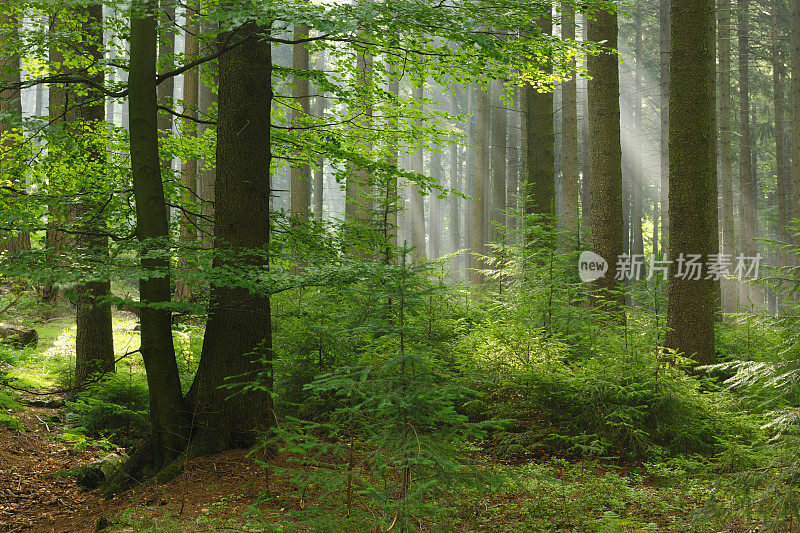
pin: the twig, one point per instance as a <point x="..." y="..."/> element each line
<point x="10" y="305"/>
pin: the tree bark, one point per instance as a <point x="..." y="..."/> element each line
<point x="747" y="207"/>
<point x="455" y="212"/>
<point x="300" y="173"/>
<point x="169" y="419"/>
<point x="207" y="172"/>
<point x="94" y="339"/>
<point x="728" y="238"/>
<point x="569" y="137"/>
<point x="238" y="337"/>
<point x="191" y="81"/>
<point x="319" y="175"/>
<point x="499" y="167"/>
<point x="690" y="308"/>
<point x="480" y="178"/>
<point x="540" y="183"/>
<point x="664" y="60"/>
<point x="795" y="58"/>
<point x="436" y="207"/>
<point x="586" y="197"/>
<point x="358" y="189"/>
<point x="11" y="102"/>
<point x="417" y="202"/>
<point x="778" y="103"/>
<point x="637" y="246"/>
<point x="606" y="158"/>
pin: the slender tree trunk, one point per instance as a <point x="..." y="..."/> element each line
<point x="569" y="137"/>
<point x="319" y="169"/>
<point x="664" y="57"/>
<point x="499" y="167"/>
<point x="238" y="339"/>
<point x="301" y="173"/>
<point x="358" y="194"/>
<point x="417" y="202"/>
<point x="11" y="102"/>
<point x="778" y="106"/>
<point x="480" y="178"/>
<point x="166" y="62"/>
<point x="455" y="214"/>
<point x="606" y="157"/>
<point x="191" y="78"/>
<point x="94" y="339"/>
<point x="586" y="197"/>
<point x="728" y="244"/>
<point x="170" y="426"/>
<point x="747" y="206"/>
<point x="436" y="207"/>
<point x="637" y="170"/>
<point x="540" y="186"/>
<point x="690" y="329"/>
<point x="512" y="188"/>
<point x="207" y="173"/>
<point x="795" y="59"/>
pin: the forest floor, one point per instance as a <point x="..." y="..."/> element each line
<point x="232" y="492"/>
<point x="223" y="493"/>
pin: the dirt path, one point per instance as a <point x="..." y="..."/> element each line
<point x="211" y="490"/>
<point x="31" y="497"/>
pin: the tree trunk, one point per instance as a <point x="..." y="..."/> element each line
<point x="778" y="103"/>
<point x="586" y="197"/>
<point x="207" y="173"/>
<point x="300" y="173"/>
<point x="358" y="194"/>
<point x="238" y="337"/>
<point x="169" y="420"/>
<point x="795" y="58"/>
<point x="11" y="102"/>
<point x="94" y="339"/>
<point x="455" y="213"/>
<point x="499" y="155"/>
<point x="188" y="221"/>
<point x="664" y="59"/>
<point x="728" y="238"/>
<point x="606" y="158"/>
<point x="569" y="137"/>
<point x="637" y="247"/>
<point x="540" y="183"/>
<point x="166" y="62"/>
<point x="417" y="203"/>
<point x="480" y="178"/>
<point x="319" y="169"/>
<point x="747" y="208"/>
<point x="436" y="207"/>
<point x="690" y="308"/>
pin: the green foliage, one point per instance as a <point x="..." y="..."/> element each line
<point x="390" y="437"/>
<point x="116" y="407"/>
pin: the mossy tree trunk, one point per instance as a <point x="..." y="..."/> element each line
<point x="168" y="415"/>
<point x="606" y="158"/>
<point x="728" y="238"/>
<point x="238" y="336"/>
<point x="94" y="339"/>
<point x="690" y="309"/>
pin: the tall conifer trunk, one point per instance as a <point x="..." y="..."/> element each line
<point x="691" y="308"/>
<point x="238" y="336"/>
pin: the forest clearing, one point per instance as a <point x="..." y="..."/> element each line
<point x="451" y="265"/>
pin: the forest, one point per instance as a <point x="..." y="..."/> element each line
<point x="419" y="265"/>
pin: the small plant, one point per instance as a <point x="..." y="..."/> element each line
<point x="116" y="407"/>
<point x="393" y="437"/>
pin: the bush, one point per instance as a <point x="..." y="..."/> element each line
<point x="116" y="407"/>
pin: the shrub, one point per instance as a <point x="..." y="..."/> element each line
<point x="115" y="407"/>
